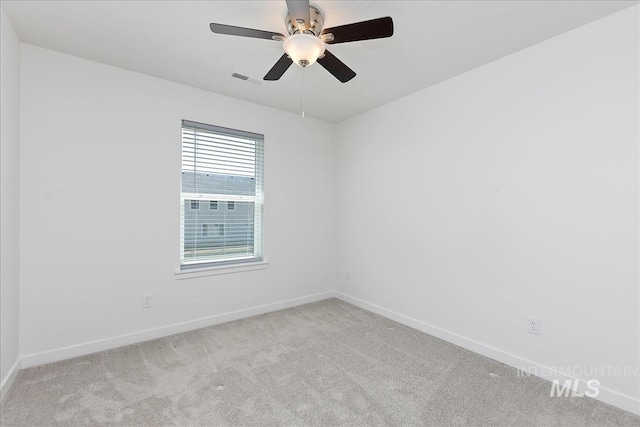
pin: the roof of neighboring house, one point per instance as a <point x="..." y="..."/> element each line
<point x="211" y="183"/>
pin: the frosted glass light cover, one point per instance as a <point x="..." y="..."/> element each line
<point x="304" y="49"/>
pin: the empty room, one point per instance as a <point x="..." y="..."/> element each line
<point x="294" y="213"/>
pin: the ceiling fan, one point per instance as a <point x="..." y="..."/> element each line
<point x="306" y="41"/>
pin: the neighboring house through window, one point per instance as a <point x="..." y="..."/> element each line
<point x="212" y="230"/>
<point x="220" y="165"/>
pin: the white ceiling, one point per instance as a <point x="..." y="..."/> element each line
<point x="433" y="41"/>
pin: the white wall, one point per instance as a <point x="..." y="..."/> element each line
<point x="9" y="202"/>
<point x="100" y="185"/>
<point x="509" y="191"/>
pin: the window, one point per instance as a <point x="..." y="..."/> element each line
<point x="220" y="165"/>
<point x="212" y="230"/>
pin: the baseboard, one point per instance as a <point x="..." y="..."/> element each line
<point x="64" y="353"/>
<point x="8" y="380"/>
<point x="611" y="397"/>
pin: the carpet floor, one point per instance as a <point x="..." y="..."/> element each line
<point x="326" y="363"/>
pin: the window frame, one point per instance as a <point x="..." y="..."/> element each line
<point x="252" y="262"/>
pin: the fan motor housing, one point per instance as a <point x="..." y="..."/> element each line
<point x="316" y="24"/>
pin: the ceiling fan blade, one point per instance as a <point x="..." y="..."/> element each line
<point x="366" y="30"/>
<point x="336" y="67"/>
<point x="299" y="9"/>
<point x="279" y="68"/>
<point x="244" y="32"/>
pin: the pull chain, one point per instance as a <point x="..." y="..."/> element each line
<point x="302" y="91"/>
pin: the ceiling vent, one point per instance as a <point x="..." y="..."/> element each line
<point x="247" y="78"/>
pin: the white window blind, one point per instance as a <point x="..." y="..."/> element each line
<point x="220" y="165"/>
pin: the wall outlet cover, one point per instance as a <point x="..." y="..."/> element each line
<point x="533" y="325"/>
<point x="147" y="301"/>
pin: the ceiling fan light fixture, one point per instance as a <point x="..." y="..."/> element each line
<point x="303" y="49"/>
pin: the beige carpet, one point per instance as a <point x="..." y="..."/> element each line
<point x="327" y="363"/>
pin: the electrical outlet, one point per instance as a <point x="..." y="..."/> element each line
<point x="147" y="301"/>
<point x="533" y="325"/>
<point x="348" y="275"/>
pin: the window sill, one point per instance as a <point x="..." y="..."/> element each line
<point x="220" y="269"/>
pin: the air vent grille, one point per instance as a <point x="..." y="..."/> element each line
<point x="240" y="76"/>
<point x="247" y="78"/>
